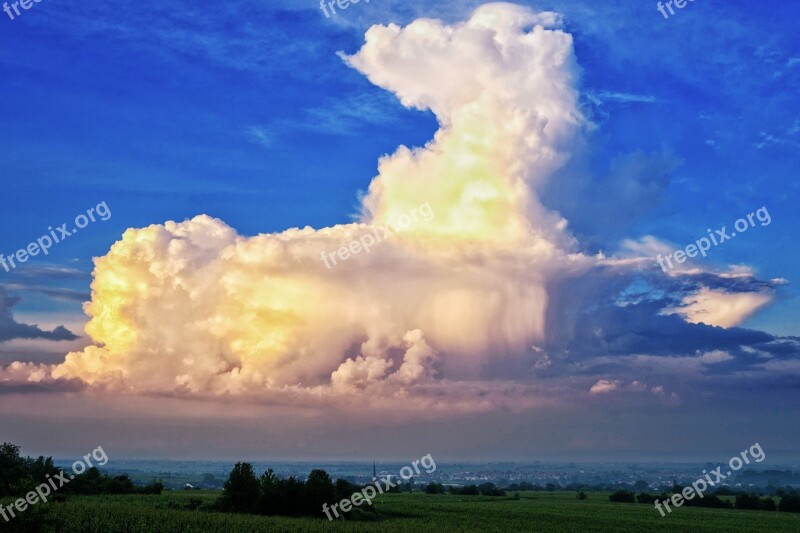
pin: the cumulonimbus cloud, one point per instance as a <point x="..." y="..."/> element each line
<point x="194" y="308"/>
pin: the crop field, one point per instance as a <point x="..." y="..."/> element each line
<point x="188" y="512"/>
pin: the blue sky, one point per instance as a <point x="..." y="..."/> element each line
<point x="243" y="110"/>
<point x="166" y="111"/>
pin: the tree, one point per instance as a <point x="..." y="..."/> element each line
<point x="581" y="495"/>
<point x="317" y="490"/>
<point x="345" y="489"/>
<point x="240" y="491"/>
<point x="269" y="494"/>
<point x="469" y="490"/>
<point x="490" y="489"/>
<point x="291" y="489"/>
<point x="11" y="469"/>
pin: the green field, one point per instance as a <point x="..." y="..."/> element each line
<point x="533" y="511"/>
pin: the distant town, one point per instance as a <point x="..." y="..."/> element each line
<point x="538" y="475"/>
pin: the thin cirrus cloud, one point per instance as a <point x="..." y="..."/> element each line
<point x="601" y="97"/>
<point x="348" y="116"/>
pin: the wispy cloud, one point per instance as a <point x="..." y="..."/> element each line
<point x="620" y="97"/>
<point x="55" y="293"/>
<point x="51" y="273"/>
<point x="261" y="136"/>
<point x="347" y="116"/>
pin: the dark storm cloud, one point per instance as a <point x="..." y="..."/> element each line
<point x="11" y="329"/>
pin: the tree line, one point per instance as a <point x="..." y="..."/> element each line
<point x="270" y="495"/>
<point x="484" y="489"/>
<point x="20" y="475"/>
<point x="789" y="502"/>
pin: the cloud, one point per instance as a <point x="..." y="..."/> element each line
<point x="51" y="273"/>
<point x="720" y="308"/>
<point x="716" y="356"/>
<point x="632" y="187"/>
<point x="347" y="116"/>
<point x="350" y="115"/>
<point x="203" y="310"/>
<point x="261" y="136"/>
<point x="604" y="386"/>
<point x="11" y="329"/>
<point x="55" y="293"/>
<point x="494" y="304"/>
<point x="624" y="98"/>
<point x="20" y="378"/>
<point x="217" y="38"/>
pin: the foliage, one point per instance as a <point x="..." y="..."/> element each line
<point x="416" y="512"/>
<point x="622" y="495"/>
<point x="434" y="488"/>
<point x="753" y="502"/>
<point x="20" y="475"/>
<point x="241" y="491"/>
<point x="469" y="490"/>
<point x="273" y="496"/>
<point x="790" y="503"/>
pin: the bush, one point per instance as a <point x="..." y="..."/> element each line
<point x="790" y="503"/>
<point x="469" y="490"/>
<point x="646" y="498"/>
<point x="490" y="489"/>
<point x="623" y="496"/>
<point x="156" y="487"/>
<point x="434" y="488"/>
<point x="581" y="495"/>
<point x="767" y="504"/>
<point x="194" y="503"/>
<point x="746" y="501"/>
<point x="710" y="500"/>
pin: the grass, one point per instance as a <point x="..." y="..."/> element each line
<point x="533" y="511"/>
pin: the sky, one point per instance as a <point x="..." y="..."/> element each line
<point x="544" y="155"/>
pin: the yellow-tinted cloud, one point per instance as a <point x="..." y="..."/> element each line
<point x="193" y="308"/>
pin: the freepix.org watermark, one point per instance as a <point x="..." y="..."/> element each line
<point x="379" y="486"/>
<point x="680" y="4"/>
<point x="700" y="486"/>
<point x="24" y="4"/>
<point x="53" y="484"/>
<point x="342" y="4"/>
<point x="45" y="242"/>
<point x="368" y="240"/>
<point x="718" y="237"/>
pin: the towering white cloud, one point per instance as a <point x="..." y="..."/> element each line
<point x="193" y="307"/>
<point x="453" y="300"/>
